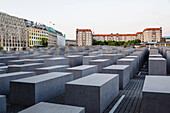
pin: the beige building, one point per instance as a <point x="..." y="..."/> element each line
<point x="13" y="33"/>
<point x="84" y="37"/>
<point x="148" y="35"/>
<point x="152" y="35"/>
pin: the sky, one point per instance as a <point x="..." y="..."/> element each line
<point x="101" y="16"/>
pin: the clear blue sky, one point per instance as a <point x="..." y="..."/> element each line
<point x="102" y="16"/>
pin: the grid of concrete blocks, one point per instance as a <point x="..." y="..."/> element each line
<point x="89" y="77"/>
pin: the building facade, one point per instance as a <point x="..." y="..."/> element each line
<point x="152" y="34"/>
<point x="84" y="37"/>
<point x="13" y="33"/>
<point x="148" y="35"/>
<point x="52" y="37"/>
<point x="36" y="35"/>
<point x="61" y="41"/>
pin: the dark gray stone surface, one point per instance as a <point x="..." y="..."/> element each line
<point x="156" y="94"/>
<point x="4" y="68"/>
<point x="75" y="60"/>
<point x="113" y="57"/>
<point x="83" y="70"/>
<point x="101" y="63"/>
<point x="86" y="59"/>
<point x="91" y="91"/>
<point x="16" y="62"/>
<point x="130" y="62"/>
<point x="43" y="107"/>
<point x="31" y="90"/>
<point x="56" y="61"/>
<point x="56" y="68"/>
<point x="157" y="66"/>
<point x="122" y="70"/>
<point x="24" y="67"/>
<point x="2" y="104"/>
<point x="7" y="77"/>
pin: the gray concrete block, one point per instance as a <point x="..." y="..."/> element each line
<point x="122" y="70"/>
<point x="86" y="59"/>
<point x="131" y="63"/>
<point x="2" y="64"/>
<point x="113" y="57"/>
<point x="16" y="62"/>
<point x="136" y="61"/>
<point x="6" y="59"/>
<point x="56" y="68"/>
<point x="2" y="104"/>
<point x="157" y="66"/>
<point x="91" y="91"/>
<point x="168" y="61"/>
<point x="56" y="61"/>
<point x="83" y="70"/>
<point x="4" y="68"/>
<point x="44" y="107"/>
<point x="43" y="56"/>
<point x="75" y="60"/>
<point x="29" y="61"/>
<point x="7" y="77"/>
<point x="2" y="71"/>
<point x="101" y="63"/>
<point x="41" y="88"/>
<point x="155" y="56"/>
<point x="25" y="67"/>
<point x="156" y="94"/>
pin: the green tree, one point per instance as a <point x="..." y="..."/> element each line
<point x="44" y="42"/>
<point x="1" y="48"/>
<point x="101" y="43"/>
<point x="94" y="42"/>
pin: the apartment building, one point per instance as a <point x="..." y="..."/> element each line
<point x="148" y="35"/>
<point x="13" y="33"/>
<point x="36" y="35"/>
<point x="152" y="34"/>
<point x="84" y="37"/>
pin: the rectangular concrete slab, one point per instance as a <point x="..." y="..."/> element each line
<point x="157" y="66"/>
<point x="29" y="61"/>
<point x="56" y="61"/>
<point x="155" y="56"/>
<point x="91" y="91"/>
<point x="122" y="70"/>
<point x="101" y="63"/>
<point x="41" y="88"/>
<point x="131" y="63"/>
<point x="7" y="77"/>
<point x="4" y="68"/>
<point x="81" y="71"/>
<point x="136" y="61"/>
<point x="44" y="107"/>
<point x="24" y="67"/>
<point x="156" y="94"/>
<point x="75" y="60"/>
<point x="2" y="104"/>
<point x="16" y="62"/>
<point x="113" y="57"/>
<point x="86" y="59"/>
<point x="56" y="68"/>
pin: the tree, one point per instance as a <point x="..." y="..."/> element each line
<point x="1" y="48"/>
<point x="95" y="42"/>
<point x="44" y="42"/>
<point x="101" y="43"/>
<point x="71" y="45"/>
